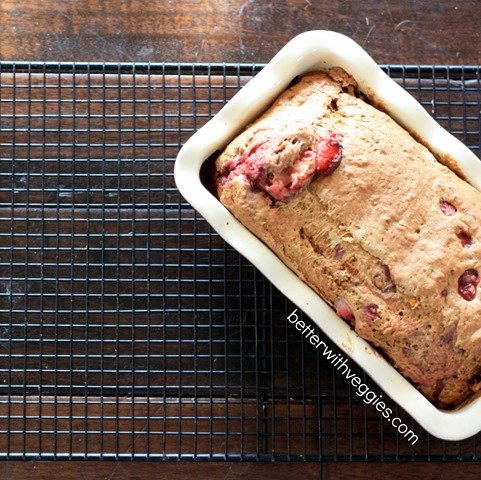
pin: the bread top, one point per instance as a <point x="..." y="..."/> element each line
<point x="389" y="193"/>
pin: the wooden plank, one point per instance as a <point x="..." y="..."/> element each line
<point x="162" y="428"/>
<point x="104" y="145"/>
<point x="16" y="470"/>
<point x="400" y="471"/>
<point x="166" y="427"/>
<point x="140" y="30"/>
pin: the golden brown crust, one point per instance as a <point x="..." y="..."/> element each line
<point x="374" y="233"/>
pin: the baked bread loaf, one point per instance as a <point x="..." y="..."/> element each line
<point x="369" y="219"/>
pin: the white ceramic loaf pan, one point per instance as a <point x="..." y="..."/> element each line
<point x="320" y="50"/>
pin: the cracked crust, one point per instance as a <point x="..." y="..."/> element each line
<point x="374" y="234"/>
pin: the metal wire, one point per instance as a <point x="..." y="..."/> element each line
<point x="128" y="329"/>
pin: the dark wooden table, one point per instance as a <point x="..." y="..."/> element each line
<point x="401" y="32"/>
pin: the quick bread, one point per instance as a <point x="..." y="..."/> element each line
<point x="369" y="219"/>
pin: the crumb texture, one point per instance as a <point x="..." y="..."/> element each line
<point x="367" y="217"/>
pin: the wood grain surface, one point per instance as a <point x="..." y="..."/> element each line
<point x="155" y="471"/>
<point x="81" y="470"/>
<point x="402" y="31"/>
<point x="399" y="32"/>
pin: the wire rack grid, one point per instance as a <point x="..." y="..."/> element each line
<point x="128" y="329"/>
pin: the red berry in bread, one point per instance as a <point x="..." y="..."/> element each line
<point x="467" y="284"/>
<point x="466" y="240"/>
<point x="328" y="154"/>
<point x="344" y="310"/>
<point x="447" y="208"/>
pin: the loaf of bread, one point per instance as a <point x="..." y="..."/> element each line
<point x="372" y="221"/>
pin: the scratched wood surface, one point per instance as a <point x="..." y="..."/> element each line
<point x="402" y="31"/>
<point x="441" y="32"/>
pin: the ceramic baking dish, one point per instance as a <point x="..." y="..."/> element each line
<point x="320" y="50"/>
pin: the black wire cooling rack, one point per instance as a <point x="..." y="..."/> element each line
<point x="128" y="329"/>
